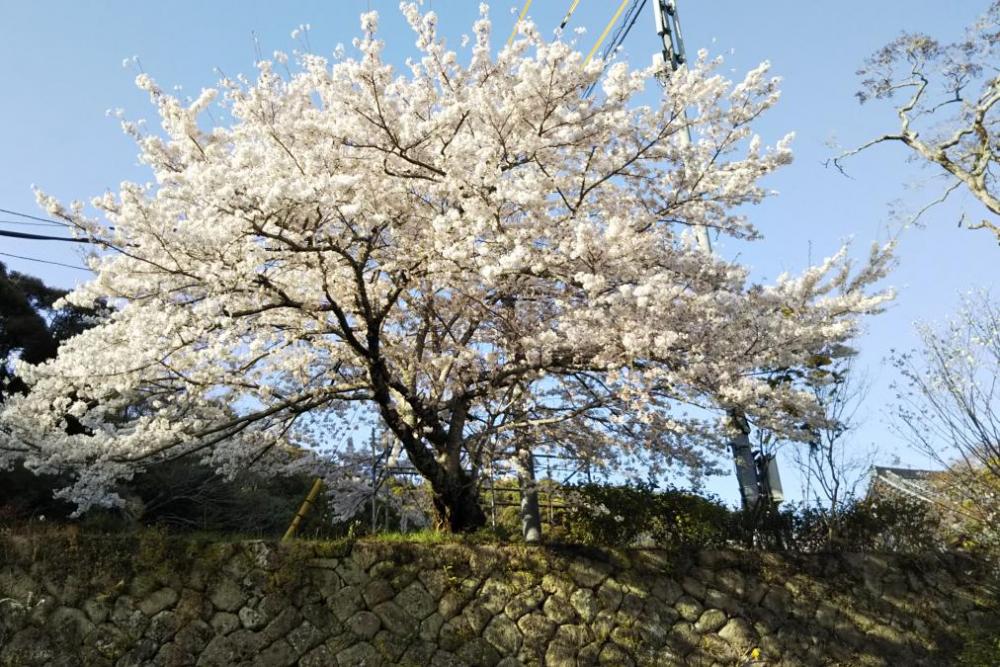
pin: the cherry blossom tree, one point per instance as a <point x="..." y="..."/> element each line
<point x="471" y="249"/>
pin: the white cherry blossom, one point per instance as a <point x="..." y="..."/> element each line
<point x="469" y="247"/>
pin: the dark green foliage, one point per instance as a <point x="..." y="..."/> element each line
<point x="638" y="514"/>
<point x="626" y="515"/>
<point x="181" y="495"/>
<point x="981" y="647"/>
<point x="891" y="523"/>
<point x="188" y="495"/>
<point x="31" y="328"/>
<point x="888" y="523"/>
<point x="25" y="496"/>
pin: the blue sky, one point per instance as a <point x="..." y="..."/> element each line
<point x="62" y="69"/>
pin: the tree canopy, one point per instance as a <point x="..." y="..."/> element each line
<point x="946" y="97"/>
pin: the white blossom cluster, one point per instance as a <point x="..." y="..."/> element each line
<point x="355" y="478"/>
<point x="470" y="247"/>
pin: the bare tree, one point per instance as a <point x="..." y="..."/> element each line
<point x="832" y="466"/>
<point x="949" y="400"/>
<point x="946" y="99"/>
<point x="949" y="410"/>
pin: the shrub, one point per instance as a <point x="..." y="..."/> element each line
<point x="888" y="523"/>
<point x="981" y="647"/>
<point x="638" y="514"/>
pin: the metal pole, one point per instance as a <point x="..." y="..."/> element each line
<point x="668" y="27"/>
<point x="746" y="468"/>
<point x="374" y="480"/>
<point x="493" y="496"/>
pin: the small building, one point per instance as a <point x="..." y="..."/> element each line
<point x="909" y="482"/>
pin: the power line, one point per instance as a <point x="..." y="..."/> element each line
<point x="32" y="217"/>
<point x="635" y="17"/>
<point x="572" y="8"/>
<point x="520" y="18"/>
<point x="30" y="224"/>
<point x="607" y="29"/>
<point x="42" y="237"/>
<point x="619" y="37"/>
<point x="623" y="29"/>
<point x="44" y="261"/>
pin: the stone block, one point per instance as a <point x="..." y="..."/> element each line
<point x="359" y="654"/>
<point x="416" y="601"/>
<point x="584" y="602"/>
<point x="305" y="637"/>
<point x="559" y="609"/>
<point x="377" y="591"/>
<point x="688" y="608"/>
<point x="710" y="621"/>
<point x="504" y="635"/>
<point x="738" y="633"/>
<point x="226" y="595"/>
<point x="395" y="620"/>
<point x="364" y="624"/>
<point x="224" y="622"/>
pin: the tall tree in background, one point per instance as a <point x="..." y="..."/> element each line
<point x="31" y="330"/>
<point x="31" y="327"/>
<point x="946" y="99"/>
<point x="465" y="252"/>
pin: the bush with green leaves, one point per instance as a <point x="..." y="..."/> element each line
<point x="981" y="647"/>
<point x="638" y="514"/>
<point x="885" y="523"/>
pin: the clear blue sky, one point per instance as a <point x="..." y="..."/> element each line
<point x="62" y="68"/>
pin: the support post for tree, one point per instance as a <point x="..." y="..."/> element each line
<point x="531" y="517"/>
<point x="303" y="510"/>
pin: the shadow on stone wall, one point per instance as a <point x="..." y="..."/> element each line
<point x="154" y="601"/>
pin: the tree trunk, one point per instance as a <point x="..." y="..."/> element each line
<point x="455" y="496"/>
<point x="456" y="502"/>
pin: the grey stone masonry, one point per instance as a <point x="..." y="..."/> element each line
<point x="122" y="602"/>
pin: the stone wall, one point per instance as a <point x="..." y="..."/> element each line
<point x="159" y="601"/>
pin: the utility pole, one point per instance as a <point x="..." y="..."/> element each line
<point x="668" y="28"/>
<point x="751" y="481"/>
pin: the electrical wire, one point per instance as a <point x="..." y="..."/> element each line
<point x="616" y="40"/>
<point x="43" y="237"/>
<point x="623" y="29"/>
<point x="28" y="223"/>
<point x="607" y="29"/>
<point x="44" y="261"/>
<point x="32" y="217"/>
<point x="520" y="18"/>
<point x="572" y="8"/>
<point x="626" y="27"/>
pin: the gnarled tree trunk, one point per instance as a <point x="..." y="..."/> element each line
<point x="456" y="502"/>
